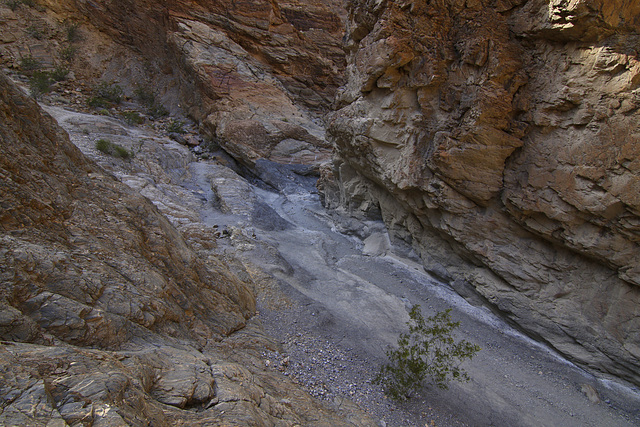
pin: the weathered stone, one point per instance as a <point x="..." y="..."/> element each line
<point x="108" y="316"/>
<point x="507" y="158"/>
<point x="226" y="64"/>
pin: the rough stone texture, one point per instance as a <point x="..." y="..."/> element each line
<point x="107" y="315"/>
<point x="501" y="138"/>
<point x="252" y="74"/>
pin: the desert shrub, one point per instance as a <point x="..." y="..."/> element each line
<point x="145" y="96"/>
<point x="157" y="111"/>
<point x="36" y="32"/>
<point x="427" y="353"/>
<point x="29" y="64"/>
<point x="73" y="33"/>
<point x="132" y="117"/>
<point x="59" y="74"/>
<point x="105" y="95"/>
<point x="13" y="4"/>
<point x="175" y="126"/>
<point x="110" y="92"/>
<point x="112" y="149"/>
<point x="40" y="83"/>
<point x="67" y="53"/>
<point x="97" y="102"/>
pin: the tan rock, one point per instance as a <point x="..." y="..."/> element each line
<point x="107" y="315"/>
<point x="507" y="158"/>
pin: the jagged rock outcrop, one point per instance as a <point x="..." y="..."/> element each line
<point x="500" y="138"/>
<point x="257" y="75"/>
<point x="107" y="315"/>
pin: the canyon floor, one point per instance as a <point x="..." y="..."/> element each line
<point x="335" y="294"/>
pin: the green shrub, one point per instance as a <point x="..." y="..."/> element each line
<point x="157" y="111"/>
<point x="428" y="353"/>
<point x="40" y="83"/>
<point x="59" y="74"/>
<point x="132" y="117"/>
<point x="105" y="96"/>
<point x="145" y="96"/>
<point x="68" y="53"/>
<point x="36" y="32"/>
<point x="13" y="4"/>
<point x="110" y="92"/>
<point x="175" y="126"/>
<point x="111" y="149"/>
<point x="97" y="102"/>
<point x="29" y="64"/>
<point x="73" y="34"/>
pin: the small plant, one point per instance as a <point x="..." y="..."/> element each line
<point x="68" y="53"/>
<point x="40" y="83"/>
<point x="36" y="32"/>
<point x="112" y="93"/>
<point x="105" y="96"/>
<point x="145" y="96"/>
<point x="427" y="353"/>
<point x="29" y="64"/>
<point x="13" y="4"/>
<point x="156" y="111"/>
<point x="59" y="74"/>
<point x="73" y="34"/>
<point x="175" y="126"/>
<point x="112" y="149"/>
<point x="132" y="117"/>
<point x="30" y="3"/>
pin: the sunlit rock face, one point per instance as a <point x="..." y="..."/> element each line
<point x="259" y="76"/>
<point x="501" y="139"/>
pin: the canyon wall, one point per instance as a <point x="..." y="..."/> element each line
<point x="258" y="76"/>
<point x="108" y="316"/>
<point x="500" y="138"/>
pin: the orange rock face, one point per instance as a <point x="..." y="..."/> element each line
<point x="505" y="133"/>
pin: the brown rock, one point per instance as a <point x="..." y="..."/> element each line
<point x="108" y="317"/>
<point x="225" y="63"/>
<point x="507" y="158"/>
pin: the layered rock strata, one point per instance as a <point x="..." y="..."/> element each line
<point x="258" y="76"/>
<point x="107" y="315"/>
<point x="501" y="139"/>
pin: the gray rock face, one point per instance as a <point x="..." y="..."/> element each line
<point x="508" y="159"/>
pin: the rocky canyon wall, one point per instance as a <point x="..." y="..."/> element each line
<point x="501" y="139"/>
<point x="107" y="314"/>
<point x="257" y="75"/>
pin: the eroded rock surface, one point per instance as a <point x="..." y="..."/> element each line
<point x="107" y="315"/>
<point x="501" y="139"/>
<point x="258" y="76"/>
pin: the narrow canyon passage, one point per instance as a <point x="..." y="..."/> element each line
<point x="334" y="295"/>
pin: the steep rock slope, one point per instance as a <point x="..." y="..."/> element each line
<point x="107" y="316"/>
<point x="257" y="75"/>
<point x="501" y="139"/>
